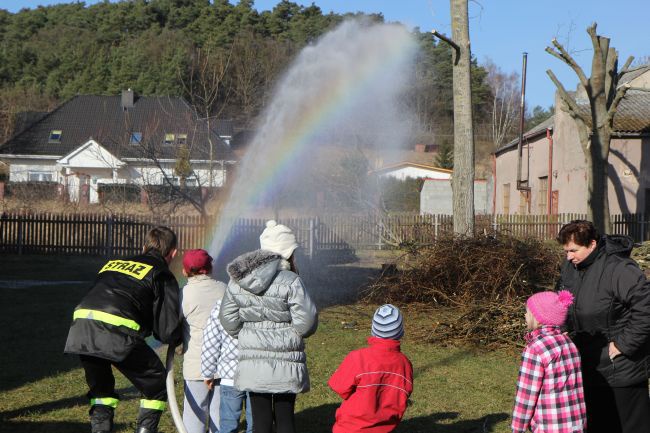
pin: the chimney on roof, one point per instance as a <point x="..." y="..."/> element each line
<point x="128" y="99"/>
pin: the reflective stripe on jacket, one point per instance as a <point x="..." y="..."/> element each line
<point x="130" y="300"/>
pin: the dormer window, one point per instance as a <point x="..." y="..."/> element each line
<point x="181" y="139"/>
<point x="55" y="136"/>
<point x="169" y="139"/>
<point x="136" y="138"/>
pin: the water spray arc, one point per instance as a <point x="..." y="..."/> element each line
<point x="349" y="82"/>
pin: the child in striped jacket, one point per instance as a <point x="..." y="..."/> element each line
<point x="550" y="397"/>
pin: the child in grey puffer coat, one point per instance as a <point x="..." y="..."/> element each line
<point x="268" y="309"/>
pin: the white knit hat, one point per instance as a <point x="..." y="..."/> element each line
<point x="278" y="239"/>
<point x="387" y="322"/>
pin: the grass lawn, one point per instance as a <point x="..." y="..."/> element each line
<point x="41" y="390"/>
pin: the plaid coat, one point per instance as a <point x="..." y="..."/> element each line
<point x="218" y="351"/>
<point x="550" y="398"/>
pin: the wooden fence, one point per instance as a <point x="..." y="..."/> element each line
<point x="120" y="235"/>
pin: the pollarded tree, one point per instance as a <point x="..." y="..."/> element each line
<point x="595" y="124"/>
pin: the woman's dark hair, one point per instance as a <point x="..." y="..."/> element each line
<point x="582" y="232"/>
<point x="161" y="239"/>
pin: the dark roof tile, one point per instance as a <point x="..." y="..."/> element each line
<point x="532" y="132"/>
<point x="633" y="116"/>
<point x="103" y="119"/>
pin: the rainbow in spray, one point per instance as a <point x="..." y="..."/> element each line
<point x="349" y="69"/>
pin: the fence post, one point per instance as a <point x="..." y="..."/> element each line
<point x="19" y="239"/>
<point x="642" y="228"/>
<point x="109" y="236"/>
<point x="311" y="238"/>
<point x="435" y="226"/>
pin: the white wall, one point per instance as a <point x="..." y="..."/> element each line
<point x="150" y="175"/>
<point x="83" y="168"/>
<point x="436" y="197"/>
<point x="91" y="155"/>
<point x="19" y="169"/>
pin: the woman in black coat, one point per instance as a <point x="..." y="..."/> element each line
<point x="610" y="324"/>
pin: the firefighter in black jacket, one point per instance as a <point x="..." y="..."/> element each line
<point x="130" y="300"/>
<point x="610" y="324"/>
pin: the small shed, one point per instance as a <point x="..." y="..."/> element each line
<point x="436" y="197"/>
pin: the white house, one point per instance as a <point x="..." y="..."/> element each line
<point x="417" y="163"/>
<point x="404" y="170"/>
<point x="90" y="141"/>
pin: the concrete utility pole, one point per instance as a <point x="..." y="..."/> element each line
<point x="462" y="183"/>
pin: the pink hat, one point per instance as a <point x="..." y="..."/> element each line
<point x="197" y="262"/>
<point x="550" y="308"/>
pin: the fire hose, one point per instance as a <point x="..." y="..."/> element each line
<point x="171" y="391"/>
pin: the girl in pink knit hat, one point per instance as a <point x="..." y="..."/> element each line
<point x="549" y="395"/>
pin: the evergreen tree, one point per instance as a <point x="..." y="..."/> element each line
<point x="58" y="51"/>
<point x="445" y="156"/>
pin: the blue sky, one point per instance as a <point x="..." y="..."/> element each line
<point x="502" y="29"/>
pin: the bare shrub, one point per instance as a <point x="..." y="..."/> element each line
<point x="118" y="193"/>
<point x="483" y="281"/>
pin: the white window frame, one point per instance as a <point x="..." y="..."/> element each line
<point x="41" y="176"/>
<point x="55" y="136"/>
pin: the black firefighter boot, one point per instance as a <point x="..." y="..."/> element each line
<point x="148" y="420"/>
<point x="101" y="419"/>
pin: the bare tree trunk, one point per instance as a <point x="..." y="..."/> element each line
<point x="595" y="129"/>
<point x="463" y="177"/>
<point x="598" y="203"/>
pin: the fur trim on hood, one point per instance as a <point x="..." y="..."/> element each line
<point x="255" y="270"/>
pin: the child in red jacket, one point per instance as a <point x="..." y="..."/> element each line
<point x="375" y="382"/>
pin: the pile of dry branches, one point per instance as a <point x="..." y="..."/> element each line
<point x="642" y="256"/>
<point x="482" y="282"/>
